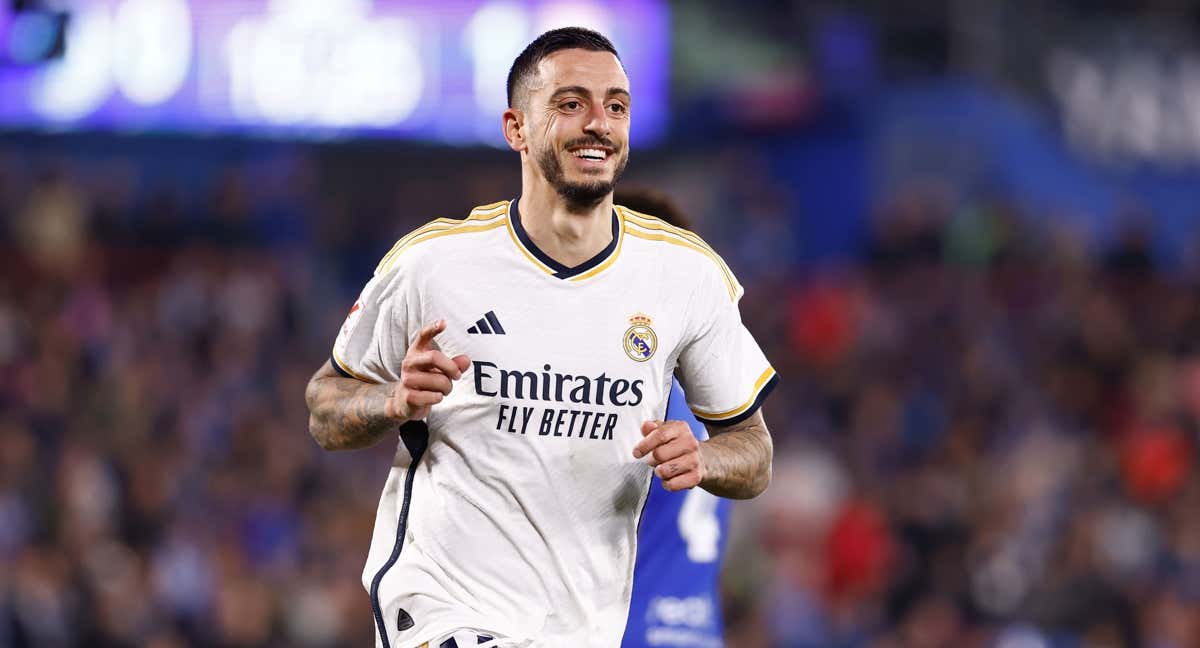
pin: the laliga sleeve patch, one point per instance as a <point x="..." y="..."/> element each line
<point x="352" y="319"/>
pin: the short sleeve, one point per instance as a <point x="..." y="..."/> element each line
<point x="723" y="371"/>
<point x="374" y="338"/>
<point x="677" y="410"/>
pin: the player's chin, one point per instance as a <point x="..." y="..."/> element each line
<point x="590" y="169"/>
<point x="584" y="189"/>
<point x="593" y="182"/>
<point x="592" y="176"/>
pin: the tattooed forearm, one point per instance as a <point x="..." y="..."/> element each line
<point x="345" y="413"/>
<point x="737" y="459"/>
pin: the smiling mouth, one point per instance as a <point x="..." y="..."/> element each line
<point x="594" y="154"/>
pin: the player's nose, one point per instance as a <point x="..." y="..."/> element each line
<point x="598" y="124"/>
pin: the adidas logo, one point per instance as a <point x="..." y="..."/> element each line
<point x="487" y="325"/>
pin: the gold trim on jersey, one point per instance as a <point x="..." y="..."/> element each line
<point x="342" y="364"/>
<point x="512" y="234"/>
<point x="648" y="221"/>
<point x="604" y="265"/>
<point x="668" y="236"/>
<point x="491" y="206"/>
<point x="730" y="413"/>
<point x="481" y="219"/>
<point x="611" y="258"/>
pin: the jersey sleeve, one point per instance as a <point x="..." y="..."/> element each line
<point x="375" y="336"/>
<point x="724" y="373"/>
<point x="677" y="410"/>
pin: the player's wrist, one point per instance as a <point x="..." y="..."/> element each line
<point x="704" y="454"/>
<point x="394" y="407"/>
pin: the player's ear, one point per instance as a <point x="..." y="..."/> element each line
<point x="514" y="132"/>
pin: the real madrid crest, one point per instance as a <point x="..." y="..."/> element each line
<point x="640" y="341"/>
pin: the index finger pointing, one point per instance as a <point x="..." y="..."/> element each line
<point x="424" y="339"/>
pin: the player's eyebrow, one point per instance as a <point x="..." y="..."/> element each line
<point x="582" y="91"/>
<point x="621" y="92"/>
<point x="575" y="89"/>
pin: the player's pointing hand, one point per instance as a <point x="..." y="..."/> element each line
<point x="673" y="451"/>
<point x="426" y="377"/>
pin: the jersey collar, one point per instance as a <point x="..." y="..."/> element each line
<point x="589" y="268"/>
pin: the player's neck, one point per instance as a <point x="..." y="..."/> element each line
<point x="569" y="236"/>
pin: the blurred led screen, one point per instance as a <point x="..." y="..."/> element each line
<point x="424" y="69"/>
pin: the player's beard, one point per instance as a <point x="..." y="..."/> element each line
<point x="580" y="196"/>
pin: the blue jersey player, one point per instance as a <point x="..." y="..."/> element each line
<point x="681" y="539"/>
<point x="682" y="535"/>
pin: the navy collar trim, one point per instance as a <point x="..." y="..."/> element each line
<point x="561" y="271"/>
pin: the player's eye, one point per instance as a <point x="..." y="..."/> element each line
<point x="571" y="105"/>
<point x="617" y="108"/>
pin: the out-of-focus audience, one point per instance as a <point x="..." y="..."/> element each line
<point x="985" y="435"/>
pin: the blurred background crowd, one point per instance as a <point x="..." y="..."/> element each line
<point x="983" y="299"/>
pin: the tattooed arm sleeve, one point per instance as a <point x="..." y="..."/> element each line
<point x="737" y="459"/>
<point x="726" y="377"/>
<point x="347" y="413"/>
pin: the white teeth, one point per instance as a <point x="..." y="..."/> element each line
<point x="591" y="154"/>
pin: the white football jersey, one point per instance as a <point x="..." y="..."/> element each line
<point x="514" y="508"/>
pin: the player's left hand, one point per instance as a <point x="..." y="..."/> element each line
<point x="674" y="453"/>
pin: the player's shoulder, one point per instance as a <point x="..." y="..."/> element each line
<point x="442" y="232"/>
<point x="687" y="248"/>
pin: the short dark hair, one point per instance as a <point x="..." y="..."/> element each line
<point x="549" y="43"/>
<point x="652" y="203"/>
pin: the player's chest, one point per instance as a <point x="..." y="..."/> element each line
<point x="574" y="372"/>
<point x="576" y="332"/>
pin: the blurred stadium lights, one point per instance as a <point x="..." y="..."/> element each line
<point x="154" y="49"/>
<point x="1129" y="106"/>
<point x="142" y="48"/>
<point x="319" y="68"/>
<point x="325" y="63"/>
<point x="493" y="36"/>
<point x="30" y="32"/>
<point x="82" y="80"/>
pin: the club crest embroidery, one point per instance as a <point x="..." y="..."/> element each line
<point x="640" y="341"/>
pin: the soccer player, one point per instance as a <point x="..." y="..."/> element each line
<point x="682" y="535"/>
<point x="526" y="354"/>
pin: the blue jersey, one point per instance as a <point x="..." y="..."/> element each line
<point x="676" y="601"/>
